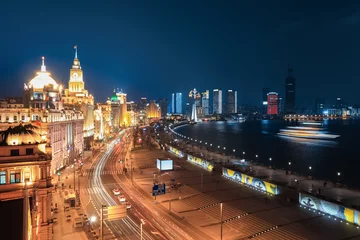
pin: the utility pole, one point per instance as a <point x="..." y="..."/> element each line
<point x="131" y="164"/>
<point x="170" y="202"/>
<point x="221" y="220"/>
<point x="102" y="222"/>
<point x="202" y="179"/>
<point x="74" y="173"/>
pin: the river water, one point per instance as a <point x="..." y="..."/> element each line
<point x="326" y="158"/>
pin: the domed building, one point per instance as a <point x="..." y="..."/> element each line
<point x="25" y="181"/>
<point x="43" y="106"/>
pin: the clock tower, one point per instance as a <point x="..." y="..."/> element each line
<point x="76" y="82"/>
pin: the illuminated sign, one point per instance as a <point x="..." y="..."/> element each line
<point x="332" y="209"/>
<point x="265" y="102"/>
<point x="250" y="181"/>
<point x="176" y="152"/>
<point x="200" y="162"/>
<point x="164" y="164"/>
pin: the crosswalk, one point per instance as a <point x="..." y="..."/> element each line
<point x="104" y="172"/>
<point x="90" y="191"/>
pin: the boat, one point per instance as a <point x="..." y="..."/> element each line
<point x="309" y="130"/>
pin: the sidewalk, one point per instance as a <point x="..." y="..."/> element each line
<point x="65" y="215"/>
<point x="287" y="179"/>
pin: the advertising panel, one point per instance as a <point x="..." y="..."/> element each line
<point x="200" y="162"/>
<point x="164" y="164"/>
<point x="176" y="152"/>
<point x="333" y="209"/>
<point x="251" y="181"/>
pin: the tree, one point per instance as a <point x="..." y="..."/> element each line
<point x="18" y="130"/>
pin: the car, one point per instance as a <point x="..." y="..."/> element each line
<point x="128" y="205"/>
<point x="122" y="198"/>
<point x="116" y="191"/>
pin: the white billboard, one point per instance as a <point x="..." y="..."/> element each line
<point x="164" y="164"/>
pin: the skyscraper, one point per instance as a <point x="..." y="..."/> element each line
<point x="205" y="102"/>
<point x="217" y="101"/>
<point x="231" y="101"/>
<point x="272" y="103"/>
<point x="290" y="85"/>
<point x="265" y="91"/>
<point x="176" y="103"/>
<point x="163" y="103"/>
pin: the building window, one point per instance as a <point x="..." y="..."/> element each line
<point x="7" y="118"/>
<point x="15" y="177"/>
<point x="14" y="152"/>
<point x="15" y="118"/>
<point x="29" y="151"/>
<point x="22" y="118"/>
<point x="2" y="178"/>
<point x="27" y="176"/>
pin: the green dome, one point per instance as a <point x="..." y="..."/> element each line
<point x="114" y="97"/>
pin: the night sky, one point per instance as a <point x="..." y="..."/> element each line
<point x="152" y="48"/>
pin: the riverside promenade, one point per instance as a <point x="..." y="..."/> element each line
<point x="247" y="213"/>
<point x="290" y="182"/>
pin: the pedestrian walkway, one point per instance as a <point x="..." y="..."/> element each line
<point x="89" y="172"/>
<point x="324" y="189"/>
<point x="246" y="213"/>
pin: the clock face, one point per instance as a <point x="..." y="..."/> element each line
<point x="75" y="75"/>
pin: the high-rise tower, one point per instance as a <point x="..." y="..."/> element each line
<point x="290" y="85"/>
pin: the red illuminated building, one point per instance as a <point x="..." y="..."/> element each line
<point x="272" y="107"/>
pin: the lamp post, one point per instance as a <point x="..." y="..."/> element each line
<point x="221" y="220"/>
<point x="244" y="155"/>
<point x="270" y="159"/>
<point x="74" y="172"/>
<point x="289" y="166"/>
<point x="256" y="158"/>
<point x="310" y="171"/>
<point x="338" y="174"/>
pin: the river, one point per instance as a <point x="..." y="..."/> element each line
<point x="326" y="158"/>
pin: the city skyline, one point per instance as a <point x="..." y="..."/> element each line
<point x="230" y="59"/>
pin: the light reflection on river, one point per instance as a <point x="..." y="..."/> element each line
<point x="260" y="137"/>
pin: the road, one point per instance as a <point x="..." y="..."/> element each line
<point x="105" y="174"/>
<point x="101" y="194"/>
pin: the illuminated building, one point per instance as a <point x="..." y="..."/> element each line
<point x="231" y="101"/>
<point x="272" y="103"/>
<point x="102" y="119"/>
<point x="43" y="105"/>
<point x="217" y="101"/>
<point x="153" y="110"/>
<point x="205" y="102"/>
<point x="25" y="182"/>
<point x="119" y="115"/>
<point x="163" y="103"/>
<point x="290" y="85"/>
<point x="194" y="113"/>
<point x="176" y="102"/>
<point x="77" y="97"/>
<point x="142" y="104"/>
<point x="265" y="91"/>
<point x="123" y="117"/>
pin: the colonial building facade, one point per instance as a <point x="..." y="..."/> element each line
<point x="25" y="176"/>
<point x="43" y="106"/>
<point x="78" y="98"/>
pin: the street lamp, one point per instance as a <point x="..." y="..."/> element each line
<point x="93" y="219"/>
<point x="243" y="155"/>
<point x="224" y="148"/>
<point x="233" y="150"/>
<point x="270" y="159"/>
<point x="210" y="144"/>
<point x="218" y="146"/>
<point x="141" y="228"/>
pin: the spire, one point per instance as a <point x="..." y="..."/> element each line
<point x="75" y="47"/>
<point x="43" y="67"/>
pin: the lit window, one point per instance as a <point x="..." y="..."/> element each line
<point x="15" y="177"/>
<point x="7" y="118"/>
<point x="2" y="177"/>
